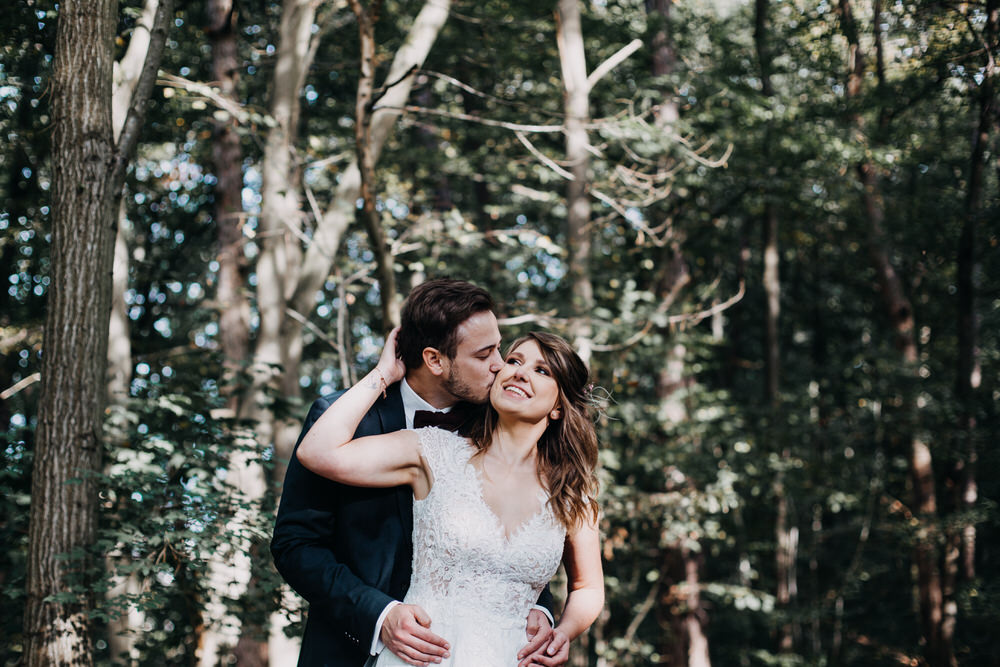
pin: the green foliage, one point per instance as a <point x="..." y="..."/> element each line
<point x="691" y="466"/>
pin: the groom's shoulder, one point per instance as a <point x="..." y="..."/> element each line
<point x="391" y="401"/>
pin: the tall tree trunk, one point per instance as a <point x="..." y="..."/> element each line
<point x="960" y="560"/>
<point x="969" y="371"/>
<point x="578" y="233"/>
<point x="364" y="103"/>
<point x="661" y="44"/>
<point x="88" y="173"/>
<point x="230" y="571"/>
<point x="64" y="514"/>
<point x="694" y="618"/>
<point x="786" y="542"/>
<point x="900" y="314"/>
<point x="227" y="167"/>
<point x="123" y="629"/>
<point x="234" y="309"/>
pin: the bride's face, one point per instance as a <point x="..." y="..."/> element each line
<point x="525" y="387"/>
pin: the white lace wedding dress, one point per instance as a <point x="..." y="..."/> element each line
<point x="475" y="582"/>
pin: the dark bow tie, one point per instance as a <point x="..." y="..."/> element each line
<point x="450" y="421"/>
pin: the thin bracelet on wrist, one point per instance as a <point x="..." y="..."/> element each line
<point x="382" y="383"/>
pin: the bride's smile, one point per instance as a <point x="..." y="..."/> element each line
<point x="524" y="386"/>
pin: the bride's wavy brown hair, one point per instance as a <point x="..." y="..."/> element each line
<point x="567" y="450"/>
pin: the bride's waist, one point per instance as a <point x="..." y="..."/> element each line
<point x="464" y="607"/>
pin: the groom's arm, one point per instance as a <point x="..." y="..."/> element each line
<point x="302" y="546"/>
<point x="546" y="604"/>
<point x="539" y="634"/>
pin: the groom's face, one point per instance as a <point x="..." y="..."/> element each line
<point x="469" y="375"/>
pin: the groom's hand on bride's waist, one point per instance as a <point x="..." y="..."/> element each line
<point x="540" y="642"/>
<point x="406" y="633"/>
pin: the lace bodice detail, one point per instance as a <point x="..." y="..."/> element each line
<point x="462" y="559"/>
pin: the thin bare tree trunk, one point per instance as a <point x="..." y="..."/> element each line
<point x="785" y="534"/>
<point x="664" y="58"/>
<point x="577" y="111"/>
<point x="694" y="619"/>
<point x="251" y="649"/>
<point x="960" y="555"/>
<point x="330" y="229"/>
<point x="227" y="161"/>
<point x="366" y="99"/>
<point x="123" y="629"/>
<point x="88" y="173"/>
<point x="969" y="371"/>
<point x="230" y="570"/>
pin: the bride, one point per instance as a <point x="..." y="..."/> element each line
<point x="495" y="509"/>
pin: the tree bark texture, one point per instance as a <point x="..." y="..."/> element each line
<point x="366" y="98"/>
<point x="664" y="64"/>
<point x="227" y="166"/>
<point x="572" y="59"/>
<point x="67" y="450"/>
<point x="123" y="630"/>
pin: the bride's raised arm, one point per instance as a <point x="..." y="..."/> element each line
<point x="393" y="459"/>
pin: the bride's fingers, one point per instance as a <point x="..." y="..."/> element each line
<point x="535" y="642"/>
<point x="389" y="362"/>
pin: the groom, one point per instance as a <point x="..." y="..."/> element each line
<point x="348" y="550"/>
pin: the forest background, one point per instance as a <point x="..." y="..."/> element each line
<point x="770" y="227"/>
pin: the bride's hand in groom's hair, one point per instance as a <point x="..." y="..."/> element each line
<point x="405" y="632"/>
<point x="389" y="364"/>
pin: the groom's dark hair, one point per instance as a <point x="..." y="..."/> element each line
<point x="432" y="314"/>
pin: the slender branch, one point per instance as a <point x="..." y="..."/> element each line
<point x="714" y="310"/>
<point x="614" y="61"/>
<point x="642" y="611"/>
<point x="210" y="93"/>
<point x="20" y="385"/>
<point x="472" y="119"/>
<point x="543" y="319"/>
<point x="304" y="321"/>
<point x="676" y="319"/>
<point x="380" y="92"/>
<point x="544" y="159"/>
<point x="486" y="96"/>
<point x="132" y="125"/>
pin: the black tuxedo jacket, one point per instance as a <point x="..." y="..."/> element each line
<point x="346" y="550"/>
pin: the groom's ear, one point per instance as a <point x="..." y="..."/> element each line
<point x="433" y="360"/>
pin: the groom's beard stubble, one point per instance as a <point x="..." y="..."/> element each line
<point x="463" y="391"/>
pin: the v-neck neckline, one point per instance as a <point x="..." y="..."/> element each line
<point x="507" y="535"/>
